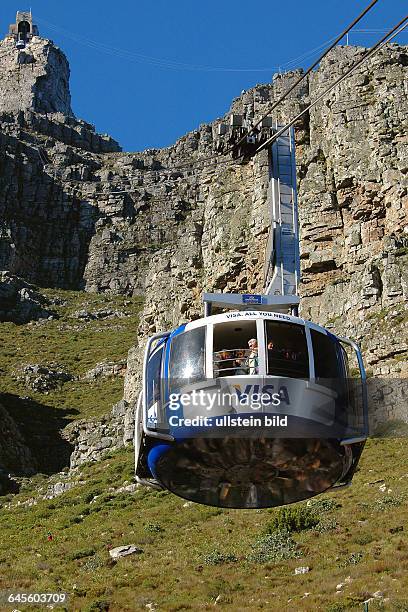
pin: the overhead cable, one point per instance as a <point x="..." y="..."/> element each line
<point x="391" y="34"/>
<point x="309" y="70"/>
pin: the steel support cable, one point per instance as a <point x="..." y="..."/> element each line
<point x="163" y="63"/>
<point x="281" y="99"/>
<point x="158" y="62"/>
<point x="306" y="54"/>
<point x="369" y="31"/>
<point x="379" y="45"/>
<point x="305" y="74"/>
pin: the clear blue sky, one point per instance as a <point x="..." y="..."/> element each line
<point x="144" y="71"/>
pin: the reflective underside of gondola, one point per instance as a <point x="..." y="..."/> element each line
<point x="249" y="472"/>
<point x="265" y="431"/>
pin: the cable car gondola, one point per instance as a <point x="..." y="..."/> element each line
<point x="249" y="408"/>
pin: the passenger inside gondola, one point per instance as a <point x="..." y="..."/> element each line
<point x="286" y="350"/>
<point x="240" y="366"/>
<point x="235" y="349"/>
<point x="253" y="358"/>
<point x="224" y="363"/>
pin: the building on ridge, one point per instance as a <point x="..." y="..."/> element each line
<point x="24" y="29"/>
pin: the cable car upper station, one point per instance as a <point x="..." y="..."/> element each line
<point x="23" y="29"/>
<point x="252" y="406"/>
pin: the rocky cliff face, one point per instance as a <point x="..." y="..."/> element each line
<point x="354" y="203"/>
<point x="36" y="78"/>
<point x="45" y="227"/>
<point x="75" y="212"/>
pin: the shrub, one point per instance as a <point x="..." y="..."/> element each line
<point x="217" y="587"/>
<point x="153" y="528"/>
<point x="275" y="546"/>
<point x="350" y="603"/>
<point x="80" y="554"/>
<point x="327" y="525"/>
<point x="322" y="505"/>
<point x="88" y="497"/>
<point x="216" y="557"/>
<point x="388" y="501"/>
<point x="99" y="606"/>
<point x="337" y="607"/>
<point x="363" y="538"/>
<point x="292" y="519"/>
<point x="353" y="559"/>
<point x="93" y="564"/>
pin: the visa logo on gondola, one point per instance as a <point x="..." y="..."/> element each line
<point x="249" y="298"/>
<point x="276" y="397"/>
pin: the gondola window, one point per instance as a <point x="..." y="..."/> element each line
<point x="154" y="378"/>
<point x="286" y="349"/>
<point x="187" y="358"/>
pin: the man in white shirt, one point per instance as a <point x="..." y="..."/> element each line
<point x="252" y="361"/>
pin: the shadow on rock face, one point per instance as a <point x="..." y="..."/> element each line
<point x="7" y="484"/>
<point x="31" y="436"/>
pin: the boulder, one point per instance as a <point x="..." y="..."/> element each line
<point x="124" y="551"/>
<point x="44" y="378"/>
<point x="20" y="302"/>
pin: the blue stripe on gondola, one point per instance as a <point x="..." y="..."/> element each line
<point x="154" y="455"/>
<point x="178" y="330"/>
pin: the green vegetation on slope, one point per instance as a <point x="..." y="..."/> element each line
<point x="76" y="346"/>
<point x="194" y="556"/>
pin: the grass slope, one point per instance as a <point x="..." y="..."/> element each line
<point x="195" y="557"/>
<point x="77" y="346"/>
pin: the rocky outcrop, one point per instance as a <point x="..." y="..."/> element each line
<point x="353" y="194"/>
<point x="91" y="440"/>
<point x="124" y="551"/>
<point x="86" y="315"/>
<point x="44" y="378"/>
<point x="20" y="302"/>
<point x="36" y="78"/>
<point x="213" y="223"/>
<point x="106" y="369"/>
<point x="353" y="203"/>
<point x="45" y="227"/>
